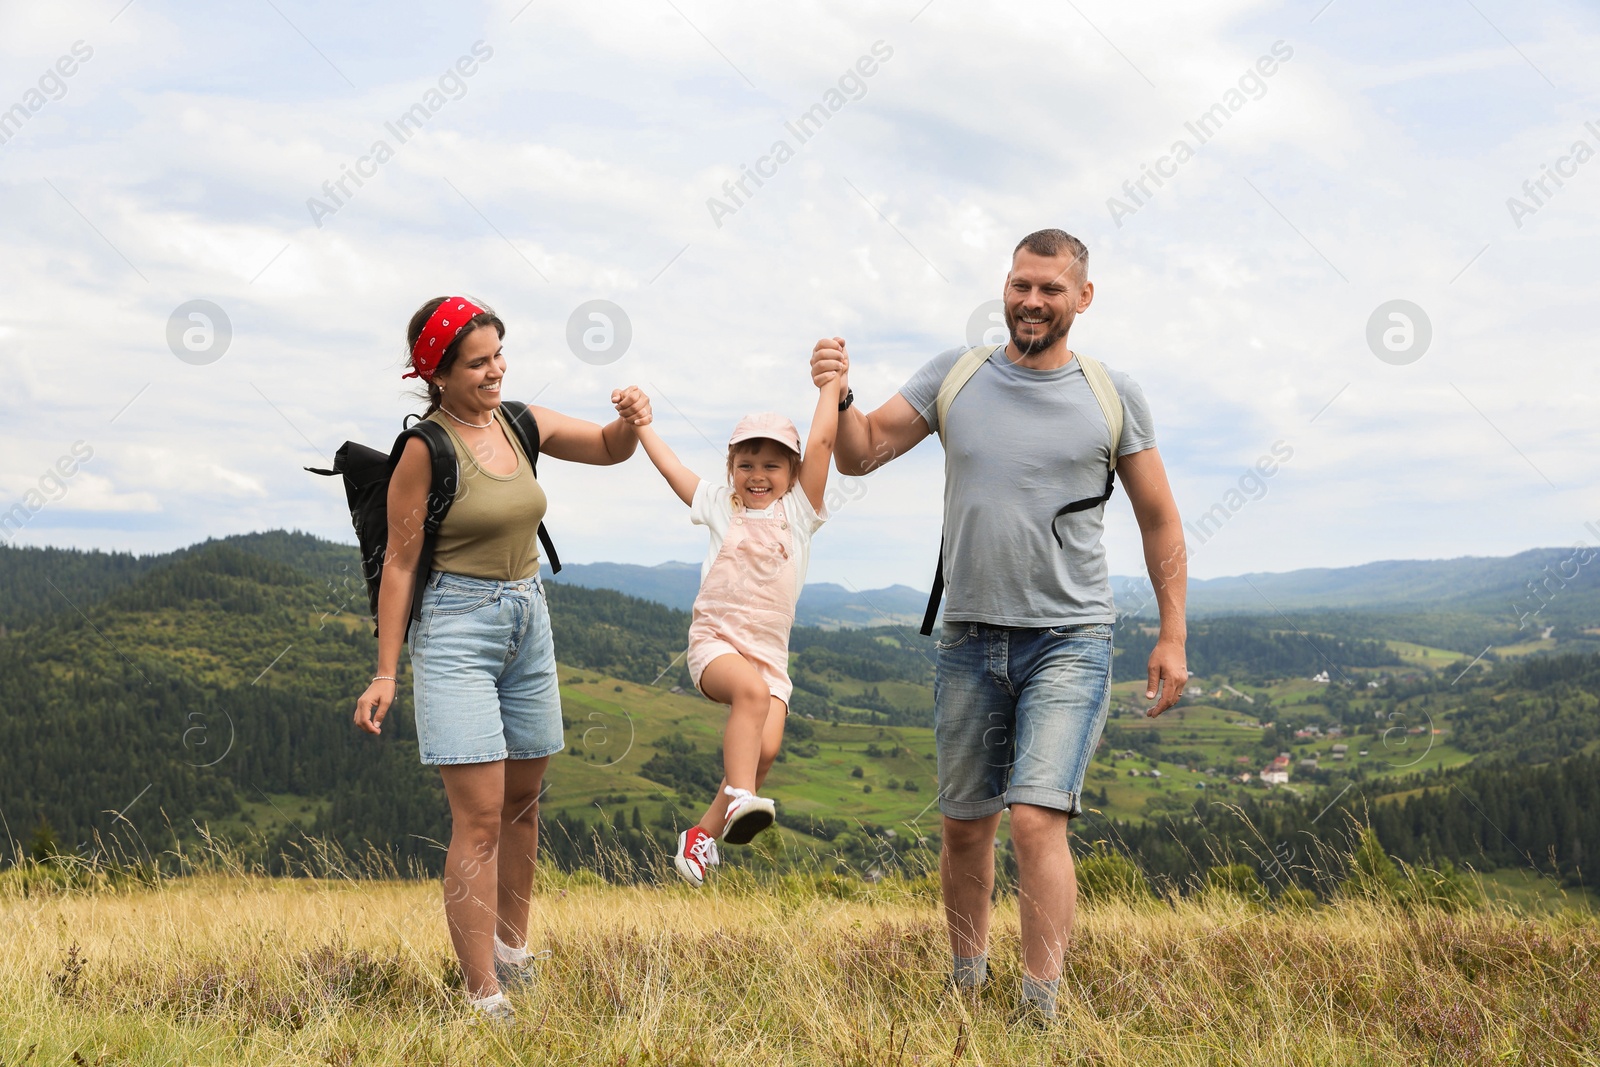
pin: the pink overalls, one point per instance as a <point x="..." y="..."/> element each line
<point x="746" y="603"/>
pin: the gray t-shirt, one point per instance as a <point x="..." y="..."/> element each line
<point x="1021" y="443"/>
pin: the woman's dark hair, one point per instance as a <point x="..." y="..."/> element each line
<point x="446" y="361"/>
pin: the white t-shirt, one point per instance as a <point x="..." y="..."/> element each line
<point x="713" y="509"/>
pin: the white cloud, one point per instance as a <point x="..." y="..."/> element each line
<point x="591" y="140"/>
<point x="92" y="492"/>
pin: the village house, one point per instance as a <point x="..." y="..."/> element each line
<point x="1277" y="772"/>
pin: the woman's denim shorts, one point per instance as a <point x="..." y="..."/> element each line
<point x="1017" y="714"/>
<point x="484" y="671"/>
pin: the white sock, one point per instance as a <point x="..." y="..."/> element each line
<point x="506" y="954"/>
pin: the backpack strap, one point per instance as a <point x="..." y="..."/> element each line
<point x="442" y="484"/>
<point x="957" y="378"/>
<point x="935" y="594"/>
<point x="1094" y="372"/>
<point x="522" y="421"/>
<point x="527" y="430"/>
<point x="1105" y="394"/>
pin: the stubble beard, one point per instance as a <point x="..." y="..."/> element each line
<point x="1041" y="344"/>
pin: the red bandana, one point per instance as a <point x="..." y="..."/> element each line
<point x="450" y="319"/>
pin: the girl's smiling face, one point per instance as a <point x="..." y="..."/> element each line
<point x="763" y="474"/>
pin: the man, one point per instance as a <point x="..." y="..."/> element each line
<point x="1024" y="660"/>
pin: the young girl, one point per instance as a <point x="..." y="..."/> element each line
<point x="761" y="522"/>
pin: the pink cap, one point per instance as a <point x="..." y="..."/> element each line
<point x="767" y="424"/>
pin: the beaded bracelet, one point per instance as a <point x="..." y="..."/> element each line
<point x="385" y="678"/>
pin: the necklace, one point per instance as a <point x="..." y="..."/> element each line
<point x="464" y="422"/>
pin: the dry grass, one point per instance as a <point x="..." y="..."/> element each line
<point x="239" y="969"/>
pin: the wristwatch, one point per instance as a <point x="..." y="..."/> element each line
<point x="849" y="398"/>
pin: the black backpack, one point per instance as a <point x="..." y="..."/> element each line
<point x="366" y="473"/>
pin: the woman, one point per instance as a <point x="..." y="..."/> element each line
<point x="487" y="705"/>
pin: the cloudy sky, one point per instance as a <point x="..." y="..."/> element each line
<point x="1355" y="154"/>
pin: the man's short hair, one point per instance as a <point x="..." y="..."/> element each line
<point x="1056" y="243"/>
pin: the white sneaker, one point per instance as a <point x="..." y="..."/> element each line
<point x="748" y="815"/>
<point x="494" y="1008"/>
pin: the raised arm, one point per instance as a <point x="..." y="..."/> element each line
<point x="1144" y="477"/>
<point x="865" y="442"/>
<point x="819" y="443"/>
<point x="582" y="441"/>
<point x="682" y="480"/>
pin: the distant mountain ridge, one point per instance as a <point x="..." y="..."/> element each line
<point x="29" y="592"/>
<point x="1537" y="588"/>
<point x="824" y="604"/>
<point x="1545" y="586"/>
<point x="1542" y="586"/>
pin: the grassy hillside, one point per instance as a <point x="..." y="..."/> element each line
<point x="233" y="969"/>
<point x="616" y="729"/>
<point x="214" y="691"/>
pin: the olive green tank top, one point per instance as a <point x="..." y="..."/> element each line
<point x="492" y="527"/>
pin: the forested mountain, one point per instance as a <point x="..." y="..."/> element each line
<point x="1251" y="646"/>
<point x="1543" y="818"/>
<point x="36" y="583"/>
<point x="144" y="697"/>
<point x="220" y="679"/>
<point x="204" y="684"/>
<point x="1545" y="709"/>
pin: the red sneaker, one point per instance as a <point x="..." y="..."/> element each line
<point x="697" y="854"/>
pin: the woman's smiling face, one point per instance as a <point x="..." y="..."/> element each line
<point x="473" y="380"/>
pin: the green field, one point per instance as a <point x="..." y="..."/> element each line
<point x="1527" y="648"/>
<point x="267" y="814"/>
<point x="1432" y="659"/>
<point x="613" y="724"/>
<point x="1530" y="894"/>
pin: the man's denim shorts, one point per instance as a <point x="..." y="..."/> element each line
<point x="484" y="671"/>
<point x="1017" y="715"/>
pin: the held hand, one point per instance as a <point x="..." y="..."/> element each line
<point x="830" y="361"/>
<point x="1168" y="675"/>
<point x="373" y="705"/>
<point x="633" y="407"/>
